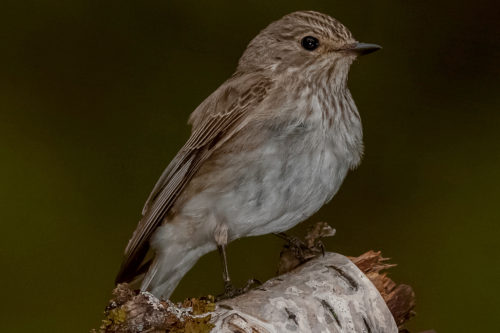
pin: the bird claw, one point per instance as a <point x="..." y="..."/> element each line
<point x="321" y="246"/>
<point x="230" y="291"/>
<point x="296" y="245"/>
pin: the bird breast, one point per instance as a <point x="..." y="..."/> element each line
<point x="271" y="177"/>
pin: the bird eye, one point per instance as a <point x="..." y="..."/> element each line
<point x="310" y="43"/>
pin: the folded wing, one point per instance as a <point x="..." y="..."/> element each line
<point x="215" y="121"/>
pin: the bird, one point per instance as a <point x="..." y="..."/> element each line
<point x="268" y="148"/>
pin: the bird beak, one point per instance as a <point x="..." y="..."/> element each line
<point x="365" y="48"/>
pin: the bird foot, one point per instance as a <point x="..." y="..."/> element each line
<point x="296" y="252"/>
<point x="230" y="291"/>
<point x="295" y="245"/>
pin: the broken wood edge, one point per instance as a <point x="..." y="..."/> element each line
<point x="400" y="298"/>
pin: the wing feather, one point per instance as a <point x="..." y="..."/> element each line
<point x="214" y="122"/>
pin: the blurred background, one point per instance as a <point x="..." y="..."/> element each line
<point x="94" y="99"/>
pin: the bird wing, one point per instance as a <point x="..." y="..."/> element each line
<point x="215" y="121"/>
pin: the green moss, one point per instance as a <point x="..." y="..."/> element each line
<point x="117" y="317"/>
<point x="203" y="305"/>
<point x="113" y="317"/>
<point x="198" y="325"/>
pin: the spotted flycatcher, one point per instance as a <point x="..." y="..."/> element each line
<point x="268" y="148"/>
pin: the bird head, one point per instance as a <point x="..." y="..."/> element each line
<point x="303" y="41"/>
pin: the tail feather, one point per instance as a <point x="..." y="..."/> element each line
<point x="132" y="266"/>
<point x="169" y="267"/>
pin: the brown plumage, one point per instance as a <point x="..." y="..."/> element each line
<point x="268" y="148"/>
<point x="213" y="123"/>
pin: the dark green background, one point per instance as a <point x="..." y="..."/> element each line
<point x="94" y="97"/>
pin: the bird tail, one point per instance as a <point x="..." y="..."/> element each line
<point x="170" y="265"/>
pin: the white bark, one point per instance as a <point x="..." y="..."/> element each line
<point x="326" y="294"/>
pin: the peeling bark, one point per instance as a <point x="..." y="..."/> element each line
<point x="326" y="294"/>
<point x="314" y="292"/>
<point x="330" y="293"/>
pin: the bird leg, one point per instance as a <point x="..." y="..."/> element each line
<point x="229" y="290"/>
<point x="228" y="286"/>
<point x="297" y="252"/>
<point x="295" y="244"/>
<point x="221" y="238"/>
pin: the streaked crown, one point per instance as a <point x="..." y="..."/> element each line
<point x="281" y="45"/>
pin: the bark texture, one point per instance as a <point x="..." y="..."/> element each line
<point x="326" y="294"/>
<point x="314" y="292"/>
<point x="330" y="293"/>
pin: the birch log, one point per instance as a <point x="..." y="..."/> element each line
<point x="326" y="294"/>
<point x="314" y="292"/>
<point x="329" y="293"/>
